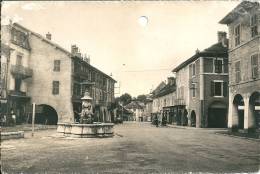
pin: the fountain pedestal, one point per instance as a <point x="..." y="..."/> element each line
<point x="88" y="129"/>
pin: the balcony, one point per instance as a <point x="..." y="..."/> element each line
<point x="179" y="102"/>
<point x="20" y="94"/>
<point x="21" y="72"/>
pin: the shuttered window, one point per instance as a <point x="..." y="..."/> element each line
<point x="237" y="35"/>
<point x="238" y="72"/>
<point x="219" y="89"/>
<point x="193" y="89"/>
<point x="254" y="65"/>
<point x="55" y="87"/>
<point x="218" y="65"/>
<point x="253" y="25"/>
<point x="56" y="65"/>
<point x="193" y="69"/>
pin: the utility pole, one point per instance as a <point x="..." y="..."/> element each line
<point x="33" y="119"/>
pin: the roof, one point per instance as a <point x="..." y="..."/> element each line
<point x="159" y="87"/>
<point x="82" y="61"/>
<point x="134" y="105"/>
<point x="215" y="50"/>
<point x="169" y="88"/>
<point x="43" y="38"/>
<point x="239" y="10"/>
<point x="60" y="48"/>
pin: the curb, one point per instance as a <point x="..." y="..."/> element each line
<point x="12" y="135"/>
<point x="252" y="139"/>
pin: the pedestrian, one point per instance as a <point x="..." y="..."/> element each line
<point x="13" y="117"/>
<point x="4" y="120"/>
<point x="156" y="120"/>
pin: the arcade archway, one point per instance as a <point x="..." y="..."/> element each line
<point x="238" y="112"/>
<point x="193" y="118"/>
<point x="254" y="106"/>
<point x="46" y="115"/>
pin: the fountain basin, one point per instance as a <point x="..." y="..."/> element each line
<point x="86" y="130"/>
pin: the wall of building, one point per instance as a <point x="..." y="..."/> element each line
<point x="42" y="61"/>
<point x="243" y="52"/>
<point x="182" y="83"/>
<point x="17" y="50"/>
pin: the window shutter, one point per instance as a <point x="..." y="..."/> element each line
<point x="225" y="65"/>
<point x="225" y="89"/>
<point x="212" y="88"/>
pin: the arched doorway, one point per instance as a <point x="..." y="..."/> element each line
<point x="46" y="115"/>
<point x="238" y="112"/>
<point x="254" y="106"/>
<point x="193" y="119"/>
<point x="217" y="115"/>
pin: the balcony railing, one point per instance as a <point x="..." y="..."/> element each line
<point x="17" y="93"/>
<point x="21" y="72"/>
<point x="179" y="102"/>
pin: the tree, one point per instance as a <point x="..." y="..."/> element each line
<point x="141" y="98"/>
<point x="125" y="98"/>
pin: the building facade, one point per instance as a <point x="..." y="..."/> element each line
<point x="16" y="74"/>
<point x="42" y="72"/>
<point x="148" y="109"/>
<point x="100" y="86"/>
<point x="202" y="86"/>
<point x="244" y="70"/>
<point x="164" y="102"/>
<point x="137" y="108"/>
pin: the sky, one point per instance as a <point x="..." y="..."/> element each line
<point x="138" y="52"/>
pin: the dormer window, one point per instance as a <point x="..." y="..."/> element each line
<point x="253" y="25"/>
<point x="19" y="38"/>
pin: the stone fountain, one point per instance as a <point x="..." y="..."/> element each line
<point x="86" y="128"/>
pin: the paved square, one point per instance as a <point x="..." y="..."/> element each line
<point x="135" y="148"/>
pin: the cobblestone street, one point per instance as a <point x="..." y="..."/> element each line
<point x="135" y="148"/>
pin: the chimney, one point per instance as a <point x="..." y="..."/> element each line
<point x="74" y="49"/>
<point x="221" y="36"/>
<point x="197" y="51"/>
<point x="171" y="80"/>
<point x="48" y="36"/>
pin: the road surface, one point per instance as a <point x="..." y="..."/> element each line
<point x="135" y="148"/>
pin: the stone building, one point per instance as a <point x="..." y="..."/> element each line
<point x="244" y="71"/>
<point x="100" y="86"/>
<point x="164" y="101"/>
<point x="137" y="108"/>
<point x="202" y="86"/>
<point x="15" y="71"/>
<point x="148" y="108"/>
<point x="44" y="73"/>
<point x="157" y="104"/>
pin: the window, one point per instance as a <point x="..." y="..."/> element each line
<point x="56" y="65"/>
<point x="18" y="83"/>
<point x="219" y="88"/>
<point x="55" y="87"/>
<point x="19" y="60"/>
<point x="19" y="38"/>
<point x="193" y="69"/>
<point x="254" y="65"/>
<point x="218" y="65"/>
<point x="253" y="25"/>
<point x="237" y="72"/>
<point x="237" y="35"/>
<point x="193" y="89"/>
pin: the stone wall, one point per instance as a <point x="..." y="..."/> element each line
<point x="43" y="55"/>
